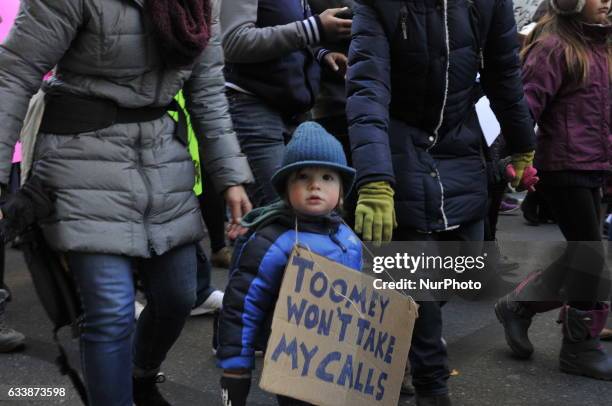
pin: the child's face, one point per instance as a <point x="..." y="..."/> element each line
<point x="596" y="11"/>
<point x="314" y="191"/>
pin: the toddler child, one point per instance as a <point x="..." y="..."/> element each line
<point x="312" y="181"/>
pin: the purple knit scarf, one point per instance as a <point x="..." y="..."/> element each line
<point x="182" y="28"/>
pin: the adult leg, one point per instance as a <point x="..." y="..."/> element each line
<point x="213" y="213"/>
<point x="170" y="287"/>
<point x="208" y="299"/>
<point x="107" y="295"/>
<point x="495" y="198"/>
<point x="203" y="290"/>
<point x="260" y="130"/>
<point x="428" y="357"/>
<point x="496" y="261"/>
<point x="530" y="208"/>
<point x="212" y="207"/>
<point x="468" y="242"/>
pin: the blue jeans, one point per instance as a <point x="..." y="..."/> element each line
<point x="106" y="286"/>
<point x="428" y="357"/>
<point x="204" y="288"/>
<point x="262" y="133"/>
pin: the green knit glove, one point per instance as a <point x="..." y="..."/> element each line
<point x="375" y="212"/>
<point x="520" y="162"/>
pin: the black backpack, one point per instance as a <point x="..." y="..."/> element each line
<point x="58" y="295"/>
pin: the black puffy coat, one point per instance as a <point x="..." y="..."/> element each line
<point x="412" y="67"/>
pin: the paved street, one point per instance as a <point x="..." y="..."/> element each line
<point x="486" y="374"/>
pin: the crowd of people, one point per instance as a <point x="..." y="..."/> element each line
<point x="323" y="121"/>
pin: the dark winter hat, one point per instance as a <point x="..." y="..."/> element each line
<point x="311" y="145"/>
<point x="567" y="6"/>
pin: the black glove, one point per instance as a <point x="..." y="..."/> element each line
<point x="26" y="206"/>
<point x="235" y="389"/>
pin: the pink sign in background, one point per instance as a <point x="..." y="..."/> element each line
<point x="8" y="12"/>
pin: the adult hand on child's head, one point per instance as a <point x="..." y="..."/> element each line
<point x="337" y="62"/>
<point x="375" y="212"/>
<point x="335" y="28"/>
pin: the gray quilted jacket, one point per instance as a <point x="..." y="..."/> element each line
<point x="125" y="189"/>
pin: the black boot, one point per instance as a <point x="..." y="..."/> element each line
<point x="582" y="353"/>
<point x="529" y="207"/>
<point x="145" y="391"/>
<point x="437" y="400"/>
<point x="516" y="319"/>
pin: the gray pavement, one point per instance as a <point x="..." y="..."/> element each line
<point x="486" y="373"/>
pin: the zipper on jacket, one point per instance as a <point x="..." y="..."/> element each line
<point x="404" y="20"/>
<point x="444" y="100"/>
<point x="147" y="183"/>
<point x="475" y="26"/>
<point x="446" y="76"/>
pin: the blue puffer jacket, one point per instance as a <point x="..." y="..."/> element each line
<point x="257" y="272"/>
<point x="412" y="67"/>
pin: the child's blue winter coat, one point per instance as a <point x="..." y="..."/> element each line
<point x="257" y="272"/>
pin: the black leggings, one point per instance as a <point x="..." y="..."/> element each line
<point x="580" y="270"/>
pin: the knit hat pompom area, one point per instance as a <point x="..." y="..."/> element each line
<point x="566" y="7"/>
<point x="312" y="145"/>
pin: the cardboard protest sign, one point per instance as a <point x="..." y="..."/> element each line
<point x="335" y="339"/>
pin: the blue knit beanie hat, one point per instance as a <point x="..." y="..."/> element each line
<point x="311" y="145"/>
